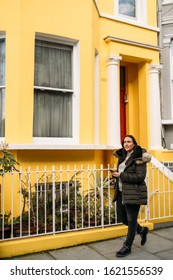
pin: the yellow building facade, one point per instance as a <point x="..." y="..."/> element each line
<point x="77" y="76"/>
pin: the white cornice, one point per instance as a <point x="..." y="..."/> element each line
<point x="167" y="20"/>
<point x="167" y="2"/>
<point x="167" y="122"/>
<point x="129" y="42"/>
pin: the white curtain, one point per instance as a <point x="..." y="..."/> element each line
<point x="52" y="103"/>
<point x="2" y="88"/>
<point x="53" y="114"/>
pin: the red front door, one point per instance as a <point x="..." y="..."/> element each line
<point x="122" y="113"/>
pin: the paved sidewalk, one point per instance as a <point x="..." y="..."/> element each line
<point x="159" y="246"/>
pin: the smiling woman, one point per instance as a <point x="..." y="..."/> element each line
<point x="132" y="190"/>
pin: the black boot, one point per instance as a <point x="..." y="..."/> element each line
<point x="143" y="235"/>
<point x="124" y="251"/>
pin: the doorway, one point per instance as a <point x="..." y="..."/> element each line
<point x="122" y="102"/>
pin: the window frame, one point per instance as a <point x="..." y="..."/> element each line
<point x="141" y="13"/>
<point x="130" y="17"/>
<point x="75" y="89"/>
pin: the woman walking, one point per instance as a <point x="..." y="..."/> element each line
<point x="132" y="190"/>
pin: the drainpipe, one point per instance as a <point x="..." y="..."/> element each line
<point x="160" y="44"/>
<point x="159" y="23"/>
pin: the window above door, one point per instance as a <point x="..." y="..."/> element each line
<point x="131" y="10"/>
<point x="127" y="8"/>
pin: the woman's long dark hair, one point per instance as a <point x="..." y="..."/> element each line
<point x="133" y="139"/>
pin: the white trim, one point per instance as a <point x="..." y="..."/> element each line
<point x="53" y="141"/>
<point x="162" y="168"/>
<point x="166" y="2"/>
<point x="54" y="89"/>
<point x="131" y="22"/>
<point x="142" y="11"/>
<point x="155" y="114"/>
<point x="167" y="20"/>
<point x="2" y="140"/>
<point x="2" y="35"/>
<point x="76" y="95"/>
<point x="61" y="147"/>
<point x="129" y="42"/>
<point x="167" y="122"/>
<point x="55" y="38"/>
<point x="166" y="42"/>
<point x="168" y="35"/>
<point x="113" y="122"/>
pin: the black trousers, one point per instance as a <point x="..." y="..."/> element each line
<point x="128" y="214"/>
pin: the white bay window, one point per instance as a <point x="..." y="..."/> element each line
<point x="54" y="93"/>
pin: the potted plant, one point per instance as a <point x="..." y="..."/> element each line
<point x="67" y="206"/>
<point x="25" y="223"/>
<point x="37" y="204"/>
<point x="96" y="201"/>
<point x="7" y="161"/>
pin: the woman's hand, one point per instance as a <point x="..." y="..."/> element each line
<point x="115" y="173"/>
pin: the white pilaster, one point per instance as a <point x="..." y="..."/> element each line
<point x="113" y="101"/>
<point x="155" y="114"/>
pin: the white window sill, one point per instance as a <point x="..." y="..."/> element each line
<point x="60" y="147"/>
<point x="167" y="122"/>
<point x="167" y="2"/>
<point x="130" y="21"/>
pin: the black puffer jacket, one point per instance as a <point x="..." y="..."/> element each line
<point x="134" y="190"/>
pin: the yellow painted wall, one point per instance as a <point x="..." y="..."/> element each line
<point x="152" y="17"/>
<point x="143" y="103"/>
<point x="59" y="158"/>
<point x="106" y="7"/>
<point x="22" y="21"/>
